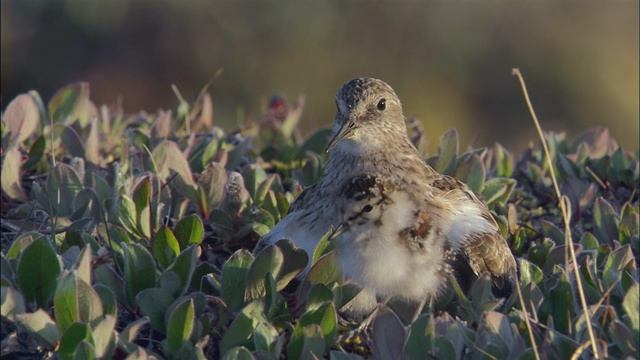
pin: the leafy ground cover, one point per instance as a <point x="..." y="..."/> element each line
<point x="131" y="236"/>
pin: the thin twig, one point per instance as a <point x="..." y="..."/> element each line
<point x="182" y="101"/>
<point x="554" y="331"/>
<point x="563" y="203"/>
<point x="534" y="346"/>
<point x="576" y="354"/>
<point x="596" y="178"/>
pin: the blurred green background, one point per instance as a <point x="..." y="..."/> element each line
<point x="450" y="61"/>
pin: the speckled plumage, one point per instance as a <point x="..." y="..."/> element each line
<point x="403" y="227"/>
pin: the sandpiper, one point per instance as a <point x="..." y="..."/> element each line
<point x="402" y="228"/>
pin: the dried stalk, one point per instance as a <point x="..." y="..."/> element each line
<point x="564" y="209"/>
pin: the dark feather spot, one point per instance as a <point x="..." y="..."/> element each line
<point x="447" y="183"/>
<point x="359" y="187"/>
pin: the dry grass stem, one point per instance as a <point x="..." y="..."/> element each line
<point x="564" y="208"/>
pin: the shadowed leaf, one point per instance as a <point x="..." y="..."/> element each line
<point x="37" y="272"/>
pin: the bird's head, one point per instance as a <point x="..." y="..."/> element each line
<point x="369" y="114"/>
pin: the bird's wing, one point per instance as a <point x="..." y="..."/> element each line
<point x="474" y="232"/>
<point x="300" y="201"/>
<point x="306" y="221"/>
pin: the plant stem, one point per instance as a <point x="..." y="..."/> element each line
<point x="564" y="209"/>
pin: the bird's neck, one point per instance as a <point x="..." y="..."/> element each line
<point x="349" y="159"/>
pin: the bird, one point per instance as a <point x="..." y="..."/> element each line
<point x="402" y="229"/>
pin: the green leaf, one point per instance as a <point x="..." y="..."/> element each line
<point x="306" y="342"/>
<point x="36" y="152"/>
<point x="239" y="332"/>
<point x="21" y="118"/>
<point x="107" y="276"/>
<point x="550" y="230"/>
<point x="71" y="338"/>
<point x="21" y="242"/>
<point x="189" y="231"/>
<point x="325" y="316"/>
<point x="419" y="341"/>
<point x="84" y="351"/>
<point x="263" y="189"/>
<point x="238" y="353"/>
<point x="40" y="323"/>
<point x="529" y="272"/>
<point x="337" y="355"/>
<point x="12" y="303"/>
<point x="75" y="301"/>
<point x="71" y="103"/>
<point x="180" y="324"/>
<point x="108" y="299"/>
<point x="211" y="183"/>
<point x="83" y="265"/>
<point x="253" y="176"/>
<point x="631" y="304"/>
<point x="139" y="270"/>
<point x="295" y="261"/>
<point x="472" y="172"/>
<point x="165" y="246"/>
<point x="447" y="152"/>
<point x="269" y="260"/>
<point x="292" y="119"/>
<point x="498" y="190"/>
<point x="560" y="300"/>
<point x="183" y="266"/>
<point x="265" y="337"/>
<point x="129" y="334"/>
<point x="72" y="142"/>
<point x="103" y="335"/>
<point x="325" y="270"/>
<point x="142" y="200"/>
<point x="234" y="273"/>
<point x="616" y="261"/>
<point x="504" y="161"/>
<point x="63" y="184"/>
<point x="169" y="157"/>
<point x="37" y="272"/>
<point x="498" y="325"/>
<point x="605" y="220"/>
<point x="388" y="335"/>
<point x="92" y="144"/>
<point x="127" y="214"/>
<point x="154" y="303"/>
<point x="323" y="247"/>
<point x="318" y="295"/>
<point x="10" y="179"/>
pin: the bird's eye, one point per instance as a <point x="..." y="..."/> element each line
<point x="382" y="104"/>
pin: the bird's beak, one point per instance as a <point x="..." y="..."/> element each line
<point x="347" y="129"/>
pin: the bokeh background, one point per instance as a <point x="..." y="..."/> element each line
<point x="450" y="61"/>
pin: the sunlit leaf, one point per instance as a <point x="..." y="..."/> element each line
<point x="75" y="301"/>
<point x="11" y="175"/>
<point x="180" y="324"/>
<point x="189" y="231"/>
<point x="21" y="118"/>
<point x="12" y="303"/>
<point x="40" y="323"/>
<point x="71" y="103"/>
<point x="165" y="246"/>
